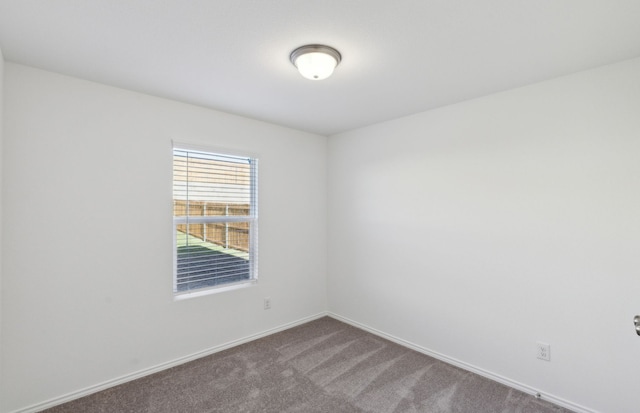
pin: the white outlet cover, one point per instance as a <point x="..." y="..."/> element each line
<point x="543" y="351"/>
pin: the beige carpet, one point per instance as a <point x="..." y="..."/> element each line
<point x="322" y="366"/>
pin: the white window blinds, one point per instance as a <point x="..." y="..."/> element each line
<point x="215" y="216"/>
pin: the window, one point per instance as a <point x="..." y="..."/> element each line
<point x="215" y="215"/>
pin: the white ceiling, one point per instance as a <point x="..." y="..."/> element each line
<point x="399" y="57"/>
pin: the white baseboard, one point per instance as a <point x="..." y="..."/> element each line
<point x="466" y="366"/>
<point x="160" y="367"/>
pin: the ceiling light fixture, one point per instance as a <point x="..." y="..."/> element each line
<point x="315" y="61"/>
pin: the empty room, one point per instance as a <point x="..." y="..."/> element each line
<point x="320" y="206"/>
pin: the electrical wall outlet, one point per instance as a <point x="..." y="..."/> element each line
<point x="543" y="351"/>
<point x="267" y="303"/>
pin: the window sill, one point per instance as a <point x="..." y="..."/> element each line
<point x="213" y="290"/>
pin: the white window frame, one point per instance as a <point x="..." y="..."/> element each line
<point x="252" y="219"/>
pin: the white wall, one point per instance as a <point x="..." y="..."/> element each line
<point x="477" y="229"/>
<point x="1" y="190"/>
<point x="88" y="247"/>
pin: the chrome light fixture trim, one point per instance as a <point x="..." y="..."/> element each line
<point x="315" y="61"/>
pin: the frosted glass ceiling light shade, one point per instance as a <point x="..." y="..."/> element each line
<point x="314" y="61"/>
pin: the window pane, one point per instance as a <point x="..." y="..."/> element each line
<point x="202" y="264"/>
<point x="221" y="182"/>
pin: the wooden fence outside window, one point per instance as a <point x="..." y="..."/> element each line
<point x="233" y="235"/>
